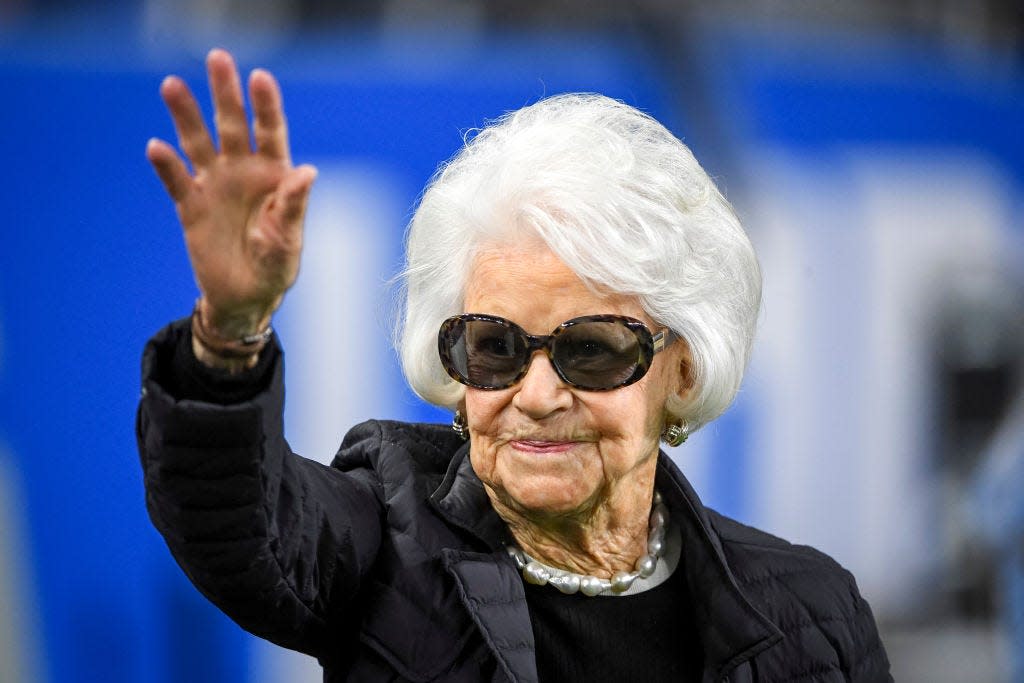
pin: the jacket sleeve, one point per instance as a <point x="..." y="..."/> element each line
<point x="828" y="625"/>
<point x="868" y="659"/>
<point x="278" y="542"/>
<point x="833" y="627"/>
<point x="829" y="631"/>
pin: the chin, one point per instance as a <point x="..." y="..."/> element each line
<point x="551" y="500"/>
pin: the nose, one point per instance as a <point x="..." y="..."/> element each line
<point x="541" y="392"/>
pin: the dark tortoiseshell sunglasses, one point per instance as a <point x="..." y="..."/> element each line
<point x="593" y="352"/>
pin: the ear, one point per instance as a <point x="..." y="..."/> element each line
<point x="687" y="377"/>
<point x="684" y="382"/>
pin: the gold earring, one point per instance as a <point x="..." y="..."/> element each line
<point x="459" y="425"/>
<point x="675" y="434"/>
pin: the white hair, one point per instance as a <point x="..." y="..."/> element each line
<point x="616" y="197"/>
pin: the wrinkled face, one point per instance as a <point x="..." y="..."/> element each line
<point x="542" y="446"/>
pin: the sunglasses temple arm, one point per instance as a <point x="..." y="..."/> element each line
<point x="662" y="339"/>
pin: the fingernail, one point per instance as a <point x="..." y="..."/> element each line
<point x="221" y="50"/>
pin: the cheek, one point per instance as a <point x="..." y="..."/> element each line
<point x="631" y="424"/>
<point x="631" y="415"/>
<point x="484" y="411"/>
<point x="666" y="380"/>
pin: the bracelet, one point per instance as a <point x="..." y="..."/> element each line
<point x="241" y="349"/>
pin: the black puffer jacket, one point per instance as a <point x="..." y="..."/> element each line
<point x="389" y="564"/>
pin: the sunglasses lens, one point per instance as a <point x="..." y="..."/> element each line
<point x="597" y="355"/>
<point x="485" y="353"/>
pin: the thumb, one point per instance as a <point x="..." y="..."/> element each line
<point x="293" y="193"/>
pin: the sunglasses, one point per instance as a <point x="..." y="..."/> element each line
<point x="593" y="352"/>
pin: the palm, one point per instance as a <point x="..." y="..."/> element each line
<point x="242" y="208"/>
<point x="240" y="251"/>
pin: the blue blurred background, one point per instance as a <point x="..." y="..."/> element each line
<point x="875" y="152"/>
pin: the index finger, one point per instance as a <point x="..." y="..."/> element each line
<point x="188" y="122"/>
<point x="270" y="130"/>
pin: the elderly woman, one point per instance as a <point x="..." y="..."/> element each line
<point x="577" y="290"/>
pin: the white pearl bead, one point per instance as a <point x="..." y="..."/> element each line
<point x="591" y="585"/>
<point x="518" y="557"/>
<point x="622" y="581"/>
<point x="567" y="583"/>
<point x="646" y="565"/>
<point x="659" y="516"/>
<point x="536" y="573"/>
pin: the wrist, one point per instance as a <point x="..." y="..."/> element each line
<point x="237" y="324"/>
<point x="212" y="359"/>
<point x="228" y="347"/>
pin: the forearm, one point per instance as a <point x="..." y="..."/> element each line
<point x="275" y="540"/>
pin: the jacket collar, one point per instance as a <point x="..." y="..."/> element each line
<point x="488" y="583"/>
<point x="732" y="630"/>
<point x="462" y="501"/>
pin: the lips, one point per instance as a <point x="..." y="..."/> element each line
<point x="538" y="446"/>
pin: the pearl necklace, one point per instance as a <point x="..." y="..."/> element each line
<point x="539" y="574"/>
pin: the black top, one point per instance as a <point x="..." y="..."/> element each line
<point x="649" y="636"/>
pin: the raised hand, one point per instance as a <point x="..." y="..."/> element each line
<point x="241" y="207"/>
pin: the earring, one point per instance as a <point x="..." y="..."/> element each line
<point x="674" y="434"/>
<point x="459" y="425"/>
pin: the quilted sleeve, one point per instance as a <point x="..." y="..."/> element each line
<point x="868" y="661"/>
<point x="829" y="631"/>
<point x="278" y="542"/>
